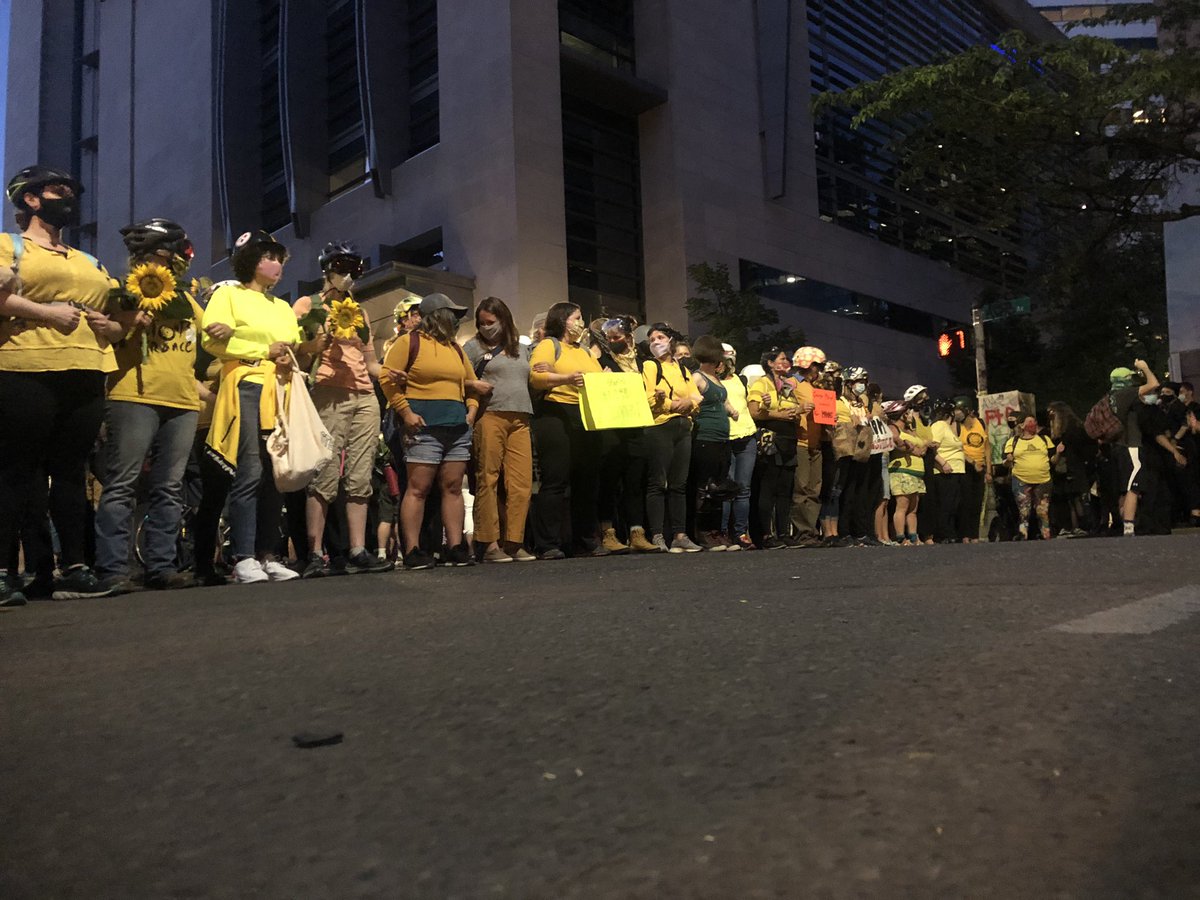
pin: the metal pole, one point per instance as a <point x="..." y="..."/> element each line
<point x="981" y="386"/>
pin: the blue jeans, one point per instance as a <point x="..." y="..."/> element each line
<point x="135" y="429"/>
<point x="743" y="454"/>
<point x="253" y="494"/>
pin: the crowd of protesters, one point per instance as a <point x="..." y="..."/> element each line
<point x="136" y="451"/>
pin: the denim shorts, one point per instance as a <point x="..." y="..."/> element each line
<point x="436" y="444"/>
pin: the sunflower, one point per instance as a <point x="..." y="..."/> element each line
<point x="152" y="285"/>
<point x="346" y="319"/>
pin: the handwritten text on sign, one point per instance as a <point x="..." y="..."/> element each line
<point x="824" y="407"/>
<point x="614" y="400"/>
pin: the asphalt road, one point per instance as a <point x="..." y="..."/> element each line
<point x="892" y="722"/>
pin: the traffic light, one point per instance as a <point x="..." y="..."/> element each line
<point x="950" y="343"/>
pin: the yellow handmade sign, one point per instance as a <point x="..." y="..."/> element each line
<point x="614" y="400"/>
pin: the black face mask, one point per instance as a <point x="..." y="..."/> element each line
<point x="618" y="347"/>
<point x="58" y="212"/>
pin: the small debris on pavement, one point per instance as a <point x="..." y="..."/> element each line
<point x="306" y="740"/>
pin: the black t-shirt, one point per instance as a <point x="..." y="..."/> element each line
<point x="1152" y="422"/>
<point x="1125" y="403"/>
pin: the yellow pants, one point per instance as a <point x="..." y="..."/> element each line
<point x="502" y="443"/>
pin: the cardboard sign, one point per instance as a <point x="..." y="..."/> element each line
<point x="614" y="400"/>
<point x="994" y="410"/>
<point x="882" y="440"/>
<point x="824" y="407"/>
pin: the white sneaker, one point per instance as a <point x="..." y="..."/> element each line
<point x="277" y="571"/>
<point x="249" y="571"/>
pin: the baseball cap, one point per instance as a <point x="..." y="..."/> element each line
<point x="434" y="302"/>
<point x="1121" y="375"/>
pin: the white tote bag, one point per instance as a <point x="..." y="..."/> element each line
<point x="300" y="444"/>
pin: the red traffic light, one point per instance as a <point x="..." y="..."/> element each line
<point x="950" y="341"/>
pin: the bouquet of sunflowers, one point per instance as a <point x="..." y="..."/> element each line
<point x="343" y="318"/>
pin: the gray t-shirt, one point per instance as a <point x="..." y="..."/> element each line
<point x="508" y="377"/>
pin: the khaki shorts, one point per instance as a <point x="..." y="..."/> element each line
<point x="352" y="418"/>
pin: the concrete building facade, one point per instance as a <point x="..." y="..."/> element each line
<point x="532" y="150"/>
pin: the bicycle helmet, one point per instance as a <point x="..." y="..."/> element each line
<point x="32" y="179"/>
<point x="341" y="250"/>
<point x="894" y="409"/>
<point x="806" y="357"/>
<point x="913" y="392"/>
<point x="855" y="373"/>
<point x="146" y="237"/>
<point x="832" y="368"/>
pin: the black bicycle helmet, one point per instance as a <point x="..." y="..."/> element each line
<point x="339" y="250"/>
<point x="32" y="179"/>
<point x="157" y="234"/>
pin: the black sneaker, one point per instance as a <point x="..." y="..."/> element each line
<point x="362" y="561"/>
<point x="117" y="584"/>
<point x="416" y="558"/>
<point x="773" y="543"/>
<point x="458" y="556"/>
<point x="10" y="591"/>
<point x="337" y="566"/>
<point x="790" y="542"/>
<point x="316" y="567"/>
<point x="168" y="581"/>
<point x="78" y="584"/>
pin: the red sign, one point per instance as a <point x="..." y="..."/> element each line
<point x="824" y="407"/>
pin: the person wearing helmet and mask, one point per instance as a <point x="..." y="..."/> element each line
<point x="951" y="466"/>
<point x="906" y="474"/>
<point x="56" y="340"/>
<point x="856" y="511"/>
<point x="153" y="402"/>
<point x="977" y="471"/>
<point x="830" y="379"/>
<point x="255" y="335"/>
<point x="344" y="395"/>
<point x="919" y="418"/>
<point x="773" y="404"/>
<point x="743" y="451"/>
<point x="806" y="490"/>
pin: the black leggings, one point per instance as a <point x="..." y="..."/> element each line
<point x="569" y="458"/>
<point x="51" y="420"/>
<point x="774" y="479"/>
<point x="856" y="517"/>
<point x="710" y="462"/>
<point x="623" y="477"/>
<point x="668" y="456"/>
<point x="949" y="525"/>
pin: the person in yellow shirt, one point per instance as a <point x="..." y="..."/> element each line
<point x="56" y="338"/>
<point x="255" y="335"/>
<point x="776" y="408"/>
<point x="1028" y="453"/>
<point x="673" y="399"/>
<point x="567" y="454"/>
<point x="743" y="452"/>
<point x="438" y="413"/>
<point x="978" y="469"/>
<point x="153" y="402"/>
<point x="806" y="490"/>
<point x="951" y="464"/>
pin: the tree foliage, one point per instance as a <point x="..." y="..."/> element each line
<point x="1073" y="145"/>
<point x="737" y="317"/>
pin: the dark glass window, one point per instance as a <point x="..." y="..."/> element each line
<point x="423" y="127"/>
<point x="347" y="153"/>
<point x="603" y="208"/>
<point x="797" y="290"/>
<point x="603" y="29"/>
<point x="851" y="41"/>
<point x="274" y="206"/>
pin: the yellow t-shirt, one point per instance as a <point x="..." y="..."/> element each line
<point x="258" y="320"/>
<point x="675" y="385"/>
<point x="745" y="425"/>
<point x="762" y="389"/>
<point x="167" y="376"/>
<point x="51" y="277"/>
<point x="950" y="447"/>
<point x="570" y="360"/>
<point x="1031" y="458"/>
<point x="974" y="441"/>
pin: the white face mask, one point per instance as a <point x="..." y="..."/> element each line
<point x="660" y="348"/>
<point x="491" y="332"/>
<point x="860" y="388"/>
<point x="340" y="282"/>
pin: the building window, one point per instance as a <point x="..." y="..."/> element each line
<point x="602" y="29"/>
<point x="85" y="118"/>
<point x="792" y="289"/>
<point x="603" y="209"/>
<point x="423" y="122"/>
<point x="347" y="155"/>
<point x="851" y="41"/>
<point x="274" y="212"/>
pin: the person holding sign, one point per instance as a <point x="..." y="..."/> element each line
<point x="568" y="454"/>
<point x="775" y="406"/>
<point x="673" y="401"/>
